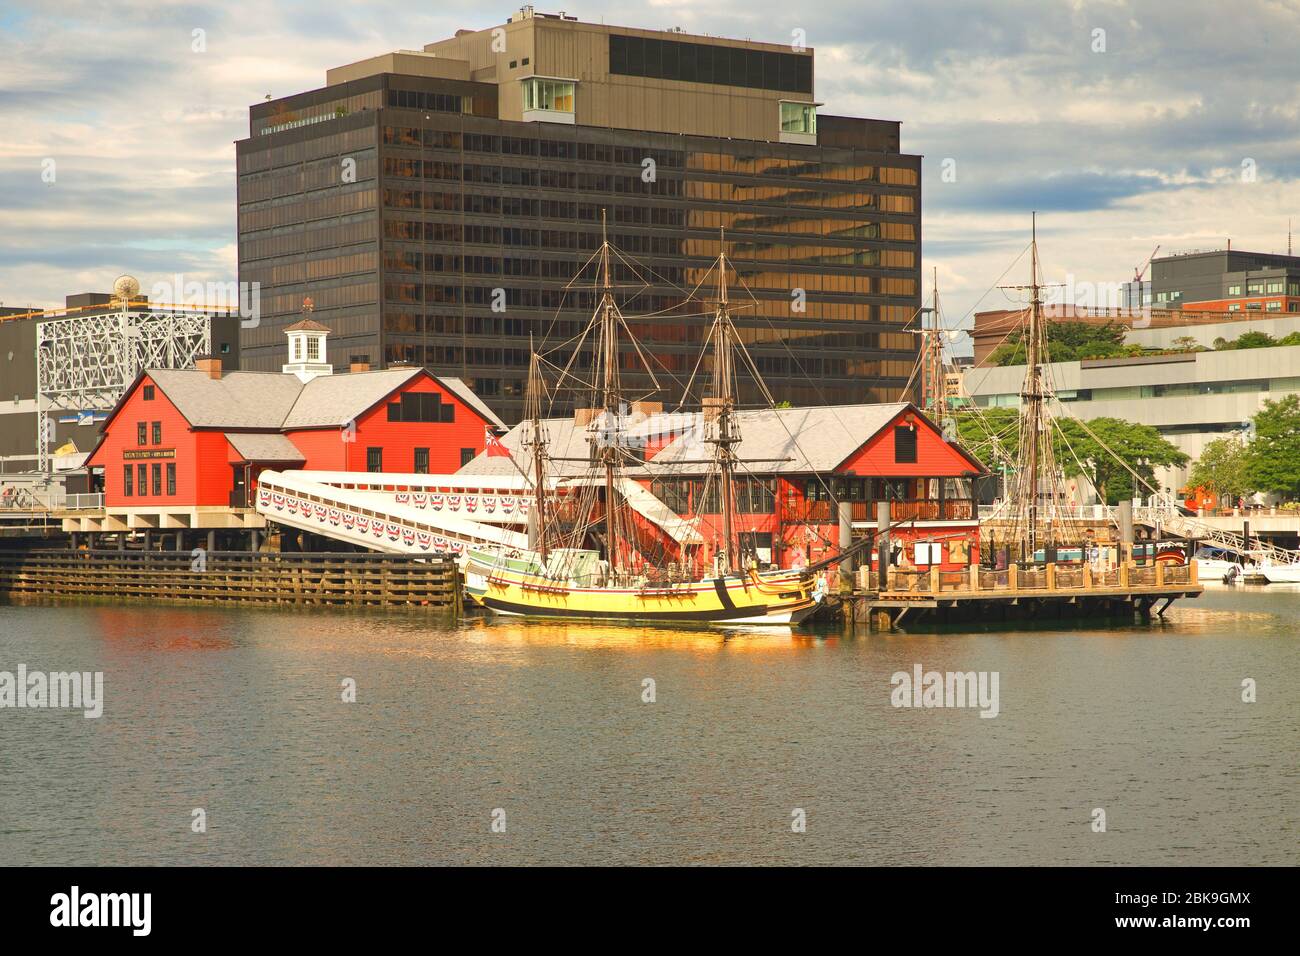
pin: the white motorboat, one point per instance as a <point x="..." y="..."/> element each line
<point x="1280" y="573"/>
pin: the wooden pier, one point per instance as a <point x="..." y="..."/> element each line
<point x="236" y="578"/>
<point x="1047" y="591"/>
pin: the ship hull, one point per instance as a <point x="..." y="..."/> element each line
<point x="756" y="600"/>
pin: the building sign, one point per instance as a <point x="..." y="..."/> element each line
<point x="137" y="453"/>
<point x="82" y="418"/>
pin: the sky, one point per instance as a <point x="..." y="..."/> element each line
<point x="1125" y="125"/>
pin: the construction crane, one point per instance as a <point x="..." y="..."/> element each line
<point x="1138" y="273"/>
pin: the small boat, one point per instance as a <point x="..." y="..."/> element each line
<point x="1276" y="572"/>
<point x="1216" y="565"/>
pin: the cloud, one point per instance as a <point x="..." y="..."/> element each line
<point x="1118" y="144"/>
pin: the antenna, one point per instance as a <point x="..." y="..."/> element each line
<point x="125" y="288"/>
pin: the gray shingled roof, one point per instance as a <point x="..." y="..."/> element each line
<point x="809" y="439"/>
<point x="236" y="400"/>
<point x="338" y="399"/>
<point x="564" y="440"/>
<point x="466" y="394"/>
<point x="260" y="446"/>
<point x="276" y="400"/>
<point x="805" y="439"/>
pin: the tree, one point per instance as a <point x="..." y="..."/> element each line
<point x="1247" y="340"/>
<point x="1067" y="342"/>
<point x="1187" y="343"/>
<point x="1274" y="453"/>
<point x="983" y="432"/>
<point x="1102" y="460"/>
<point x="1222" y="468"/>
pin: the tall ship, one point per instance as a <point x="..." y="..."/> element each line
<point x="588" y="556"/>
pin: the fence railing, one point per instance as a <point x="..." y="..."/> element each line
<point x="1038" y="579"/>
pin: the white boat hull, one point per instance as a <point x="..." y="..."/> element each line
<point x="1280" y="573"/>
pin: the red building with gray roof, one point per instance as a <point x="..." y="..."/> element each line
<point x="806" y="461"/>
<point x="183" y="448"/>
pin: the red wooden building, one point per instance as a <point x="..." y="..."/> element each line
<point x="805" y="462"/>
<point x="183" y="446"/>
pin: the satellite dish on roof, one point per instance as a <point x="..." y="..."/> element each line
<point x="125" y="288"/>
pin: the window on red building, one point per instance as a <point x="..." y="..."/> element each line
<point x="126" y="481"/>
<point x="904" y="444"/>
<point x="157" y="433"/>
<point x="421" y="461"/>
<point x="156" y="485"/>
<point x="142" y="479"/>
<point x="148" y="393"/>
<point x="171" y="479"/>
<point x="374" y="459"/>
<point x="466" y="456"/>
<point x="141" y="433"/>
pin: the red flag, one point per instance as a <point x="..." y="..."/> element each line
<point x="494" y="447"/>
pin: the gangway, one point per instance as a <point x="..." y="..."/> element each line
<point x="359" y="517"/>
<point x="489" y="499"/>
<point x="1168" y="518"/>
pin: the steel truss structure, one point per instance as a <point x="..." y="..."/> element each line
<point x="86" y="363"/>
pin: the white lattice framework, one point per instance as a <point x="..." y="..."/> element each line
<point x="86" y="363"/>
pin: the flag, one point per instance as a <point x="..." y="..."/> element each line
<point x="493" y="444"/>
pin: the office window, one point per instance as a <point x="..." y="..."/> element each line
<point x="904" y="444"/>
<point x="156" y="475"/>
<point x="374" y="459"/>
<point x="548" y="95"/>
<point x="421" y="461"/>
<point x="142" y="479"/>
<point x="466" y="456"/>
<point x="141" y="433"/>
<point x="148" y="392"/>
<point x="799" y="118"/>
<point x="126" y="481"/>
<point x="171" y="479"/>
<point x="1274" y="307"/>
<point x="157" y="433"/>
<point x="709" y="63"/>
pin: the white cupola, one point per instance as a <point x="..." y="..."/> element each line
<point x="307" y="350"/>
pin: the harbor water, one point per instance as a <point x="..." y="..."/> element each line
<point x="229" y="737"/>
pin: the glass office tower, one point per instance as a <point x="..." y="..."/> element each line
<point x="445" y="220"/>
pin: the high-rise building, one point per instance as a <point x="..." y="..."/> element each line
<point x="435" y="204"/>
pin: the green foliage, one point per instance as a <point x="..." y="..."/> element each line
<point x="1255" y="340"/>
<point x="1069" y="342"/>
<point x="980" y="433"/>
<point x="1247" y="340"/>
<point x="1140" y="447"/>
<point x="1078" y="454"/>
<point x="1222" y="468"/>
<point x="1274" y="453"/>
<point x="1187" y="343"/>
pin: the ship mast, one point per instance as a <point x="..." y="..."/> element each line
<point x="725" y="407"/>
<point x="1032" y="394"/>
<point x="538" y="450"/>
<point x="612" y="399"/>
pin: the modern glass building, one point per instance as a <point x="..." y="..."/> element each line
<point x="435" y="205"/>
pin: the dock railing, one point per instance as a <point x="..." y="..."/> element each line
<point x="1053" y="578"/>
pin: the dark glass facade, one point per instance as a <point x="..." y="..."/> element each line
<point x="710" y="63"/>
<point x="440" y="235"/>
